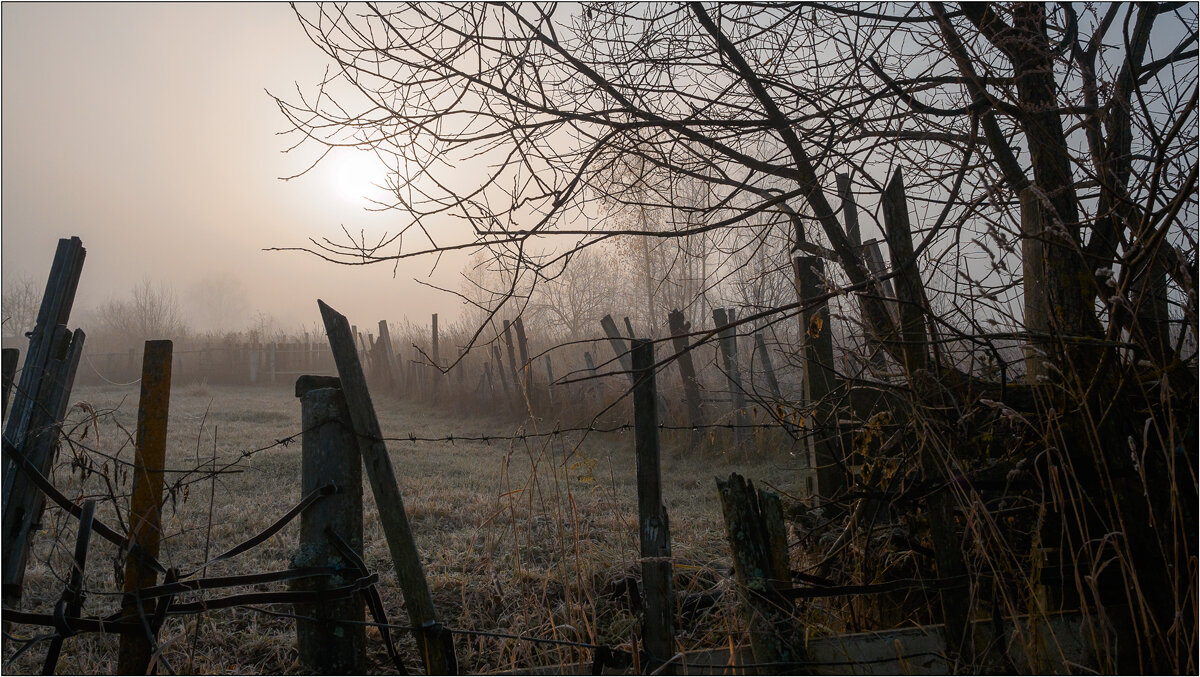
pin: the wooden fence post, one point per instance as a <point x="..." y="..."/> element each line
<point x="758" y="538"/>
<point x="436" y="644"/>
<point x="679" y="326"/>
<point x="768" y="367"/>
<point x="145" y="530"/>
<point x="329" y="453"/>
<point x="438" y="377"/>
<point x="9" y="369"/>
<point x="498" y="358"/>
<point x="512" y="360"/>
<point x="387" y="357"/>
<point x="526" y="368"/>
<point x="728" y="345"/>
<point x="38" y="407"/>
<point x="820" y="380"/>
<point x="617" y="342"/>
<point x="38" y="442"/>
<point x="654" y="526"/>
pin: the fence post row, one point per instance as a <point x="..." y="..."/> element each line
<point x="654" y="528"/>
<point x="145" y="528"/>
<point x="436" y="644"/>
<point x="39" y="404"/>
<point x="329" y="453"/>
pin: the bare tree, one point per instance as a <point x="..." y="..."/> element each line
<point x="1031" y="172"/>
<point x="22" y="300"/>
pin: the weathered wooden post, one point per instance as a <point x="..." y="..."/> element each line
<point x="679" y="327"/>
<point x="329" y="453"/>
<point x="387" y="357"/>
<point x="758" y="538"/>
<point x="438" y="377"/>
<point x="768" y="367"/>
<point x="617" y="342"/>
<point x="728" y="345"/>
<point x="653" y="524"/>
<point x="820" y="380"/>
<point x="498" y="358"/>
<point x="526" y="368"/>
<point x="512" y="360"/>
<point x="145" y="530"/>
<point x="9" y="369"/>
<point x="549" y="382"/>
<point x="436" y="644"/>
<point x="39" y="404"/>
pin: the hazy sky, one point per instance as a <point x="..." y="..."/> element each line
<point x="146" y="129"/>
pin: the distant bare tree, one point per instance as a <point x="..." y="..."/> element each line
<point x="22" y="300"/>
<point x="150" y="312"/>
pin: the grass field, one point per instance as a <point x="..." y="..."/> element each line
<point x="531" y="536"/>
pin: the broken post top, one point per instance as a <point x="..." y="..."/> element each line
<point x="309" y="382"/>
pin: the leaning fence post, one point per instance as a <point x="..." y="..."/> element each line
<point x="679" y="327"/>
<point x="728" y="345"/>
<point x="329" y="453"/>
<point x="133" y="656"/>
<point x="437" y="645"/>
<point x="758" y="538"/>
<point x="617" y="342"/>
<point x="512" y="359"/>
<point x="820" y="379"/>
<point x="526" y="368"/>
<point x="654" y="527"/>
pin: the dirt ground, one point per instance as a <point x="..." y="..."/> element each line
<point x="533" y="536"/>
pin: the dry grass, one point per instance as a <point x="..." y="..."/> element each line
<point x="533" y="536"/>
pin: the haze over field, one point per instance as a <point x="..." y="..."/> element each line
<point x="146" y="129"/>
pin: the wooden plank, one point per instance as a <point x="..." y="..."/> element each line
<point x="526" y="368"/>
<point x="768" y="368"/>
<point x="512" y="362"/>
<point x="436" y="647"/>
<point x="654" y="528"/>
<point x="329" y="453"/>
<point x="145" y="526"/>
<point x="679" y="326"/>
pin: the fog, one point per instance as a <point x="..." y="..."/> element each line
<point x="146" y="129"/>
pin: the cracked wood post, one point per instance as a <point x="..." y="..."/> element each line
<point x="436" y="645"/>
<point x="54" y="311"/>
<point x="10" y="358"/>
<point x="679" y="326"/>
<point x="728" y="345"/>
<point x="617" y="342"/>
<point x="654" y="526"/>
<point x="39" y="403"/>
<point x="758" y="538"/>
<point x="145" y="529"/>
<point x="820" y="380"/>
<point x="329" y="453"/>
<point x="23" y="502"/>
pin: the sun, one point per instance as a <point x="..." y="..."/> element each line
<point x="357" y="176"/>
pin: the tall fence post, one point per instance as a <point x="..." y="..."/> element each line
<point x="145" y="529"/>
<point x="329" y="453"/>
<point x="512" y="360"/>
<point x="654" y="526"/>
<point x="436" y="644"/>
<point x="728" y="345"/>
<point x="526" y="368"/>
<point x="679" y="327"/>
<point x="820" y="380"/>
<point x="758" y="538"/>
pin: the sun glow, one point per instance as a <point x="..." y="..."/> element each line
<point x="358" y="177"/>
